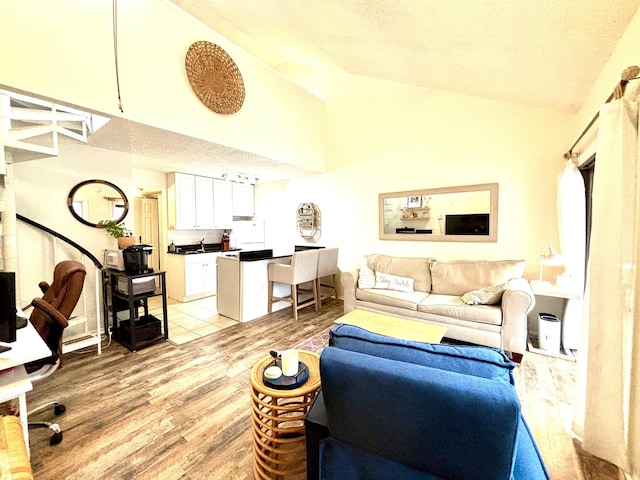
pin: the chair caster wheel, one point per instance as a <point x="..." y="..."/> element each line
<point x="55" y="439"/>
<point x="59" y="409"/>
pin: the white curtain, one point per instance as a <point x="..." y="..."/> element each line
<point x="611" y="410"/>
<point x="571" y="227"/>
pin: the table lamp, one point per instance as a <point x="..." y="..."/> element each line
<point x="548" y="256"/>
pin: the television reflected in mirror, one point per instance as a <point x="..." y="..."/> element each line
<point x="466" y="213"/>
<point x="467" y="224"/>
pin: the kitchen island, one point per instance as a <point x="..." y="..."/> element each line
<point x="243" y="284"/>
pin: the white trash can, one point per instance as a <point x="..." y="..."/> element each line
<point x="549" y="333"/>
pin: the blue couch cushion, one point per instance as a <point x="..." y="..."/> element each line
<point x="445" y="423"/>
<point x="339" y="460"/>
<point x="529" y="463"/>
<point x="474" y="360"/>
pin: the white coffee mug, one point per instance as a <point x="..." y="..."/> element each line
<point x="289" y="362"/>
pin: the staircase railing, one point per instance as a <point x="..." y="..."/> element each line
<point x="81" y="332"/>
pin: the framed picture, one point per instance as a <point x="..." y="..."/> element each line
<point x="414" y="201"/>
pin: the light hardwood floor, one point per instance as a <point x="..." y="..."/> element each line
<point x="182" y="411"/>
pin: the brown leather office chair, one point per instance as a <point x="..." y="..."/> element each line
<point x="50" y="317"/>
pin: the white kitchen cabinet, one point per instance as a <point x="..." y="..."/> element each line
<point x="190" y="201"/>
<point x="243" y="199"/>
<point x="200" y="277"/>
<point x="190" y="277"/>
<point x="204" y="202"/>
<point x="182" y="190"/>
<point x="222" y="204"/>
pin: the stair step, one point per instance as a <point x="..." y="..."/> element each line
<point x="78" y="342"/>
<point x="26" y="118"/>
<point x="75" y="321"/>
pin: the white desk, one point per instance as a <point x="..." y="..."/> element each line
<point x="15" y="383"/>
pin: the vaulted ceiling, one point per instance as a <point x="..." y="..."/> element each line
<point x="541" y="53"/>
<point x="544" y="53"/>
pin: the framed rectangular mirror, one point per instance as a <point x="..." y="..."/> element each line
<point x="467" y="213"/>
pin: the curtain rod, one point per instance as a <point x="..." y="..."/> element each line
<point x="628" y="74"/>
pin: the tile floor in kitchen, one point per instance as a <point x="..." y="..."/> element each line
<point x="190" y="320"/>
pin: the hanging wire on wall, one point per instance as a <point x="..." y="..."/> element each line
<point x="115" y="50"/>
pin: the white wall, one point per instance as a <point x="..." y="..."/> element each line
<point x="387" y="137"/>
<point x="42" y="187"/>
<point x="381" y="137"/>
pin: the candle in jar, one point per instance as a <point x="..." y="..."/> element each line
<point x="289" y="362"/>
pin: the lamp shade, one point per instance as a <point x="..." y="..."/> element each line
<point x="548" y="256"/>
<point x="551" y="258"/>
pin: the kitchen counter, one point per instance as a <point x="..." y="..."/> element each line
<point x="196" y="248"/>
<point x="255" y="255"/>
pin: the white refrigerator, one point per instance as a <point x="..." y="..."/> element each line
<point x="247" y="235"/>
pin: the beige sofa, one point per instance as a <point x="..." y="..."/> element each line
<point x="478" y="301"/>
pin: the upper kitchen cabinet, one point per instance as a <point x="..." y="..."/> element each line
<point x="243" y="200"/>
<point x="204" y="202"/>
<point x="222" y="202"/>
<point x="190" y="201"/>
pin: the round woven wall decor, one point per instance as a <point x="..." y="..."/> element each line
<point x="214" y="77"/>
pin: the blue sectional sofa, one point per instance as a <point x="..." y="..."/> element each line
<point x="396" y="409"/>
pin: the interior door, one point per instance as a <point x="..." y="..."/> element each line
<point x="147" y="227"/>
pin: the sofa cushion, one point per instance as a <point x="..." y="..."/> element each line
<point x="392" y="298"/>
<point x="453" y="307"/>
<point x="485" y="296"/>
<point x="393" y="282"/>
<point x="529" y="463"/>
<point x="416" y="268"/>
<point x="339" y="460"/>
<point x="366" y="277"/>
<point x="442" y="422"/>
<point x="473" y="360"/>
<point x="460" y="277"/>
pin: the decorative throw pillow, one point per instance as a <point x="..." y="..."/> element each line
<point x="366" y="277"/>
<point x="485" y="296"/>
<point x="393" y="282"/>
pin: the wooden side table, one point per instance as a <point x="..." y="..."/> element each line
<point x="277" y="416"/>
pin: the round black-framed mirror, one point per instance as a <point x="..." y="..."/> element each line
<point x="95" y="200"/>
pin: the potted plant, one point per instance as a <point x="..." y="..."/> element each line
<point x="119" y="231"/>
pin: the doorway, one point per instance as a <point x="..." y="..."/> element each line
<point x="147" y="226"/>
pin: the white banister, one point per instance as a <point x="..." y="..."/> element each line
<point x="85" y="324"/>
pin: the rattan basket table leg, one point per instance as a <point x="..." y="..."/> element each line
<point x="277" y="418"/>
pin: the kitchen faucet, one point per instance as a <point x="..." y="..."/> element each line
<point x="202" y="245"/>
